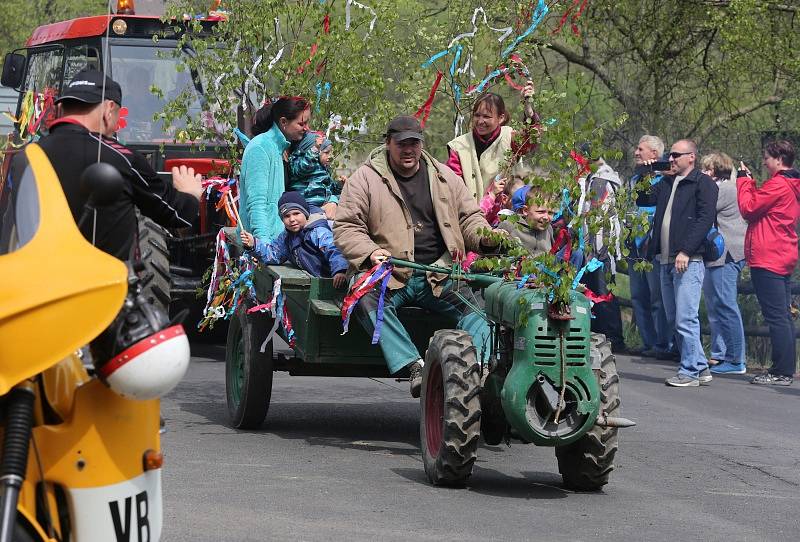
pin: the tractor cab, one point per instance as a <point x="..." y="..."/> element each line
<point x="140" y="53"/>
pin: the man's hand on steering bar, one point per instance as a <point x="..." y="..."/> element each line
<point x="379" y="255"/>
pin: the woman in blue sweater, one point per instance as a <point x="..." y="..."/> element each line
<point x="262" y="179"/>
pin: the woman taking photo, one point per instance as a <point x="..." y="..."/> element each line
<point x="722" y="275"/>
<point x="770" y="247"/>
<point x="263" y="178"/>
<point x="477" y="156"/>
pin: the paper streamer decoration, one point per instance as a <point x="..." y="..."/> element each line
<point x="575" y="16"/>
<point x="471" y="34"/>
<point x="425" y="110"/>
<point x="279" y="37"/>
<point x="322" y="88"/>
<point x="347" y="16"/>
<point x="537" y="17"/>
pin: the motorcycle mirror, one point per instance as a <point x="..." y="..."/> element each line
<point x="103" y="182"/>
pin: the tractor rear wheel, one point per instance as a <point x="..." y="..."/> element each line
<point x="154" y="254"/>
<point x="450" y="422"/>
<point x="586" y="463"/>
<point x="248" y="371"/>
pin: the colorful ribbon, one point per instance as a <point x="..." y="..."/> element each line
<point x="425" y="110"/>
<point x="597" y="298"/>
<point x="380" y="273"/>
<point x="593" y="265"/>
<point x="575" y="16"/>
<point x="326" y="88"/>
<point x="537" y="17"/>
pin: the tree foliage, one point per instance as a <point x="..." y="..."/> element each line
<point x="708" y="69"/>
<point x="18" y="18"/>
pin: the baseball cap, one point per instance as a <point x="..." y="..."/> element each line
<point x="292" y="201"/>
<point x="404" y="127"/>
<point x="87" y="87"/>
<point x="518" y="200"/>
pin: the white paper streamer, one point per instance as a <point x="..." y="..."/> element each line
<point x="506" y="31"/>
<point x="347" y="17"/>
<point x="273" y="304"/>
<point x="279" y="37"/>
<point x="459" y="124"/>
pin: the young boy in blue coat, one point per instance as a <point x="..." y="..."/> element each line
<point x="307" y="242"/>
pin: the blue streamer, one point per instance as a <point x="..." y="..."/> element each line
<point x="326" y="88"/>
<point x="487" y="79"/>
<point x="319" y="97"/>
<point x="454" y="64"/>
<point x="564" y="210"/>
<point x="428" y="63"/>
<point x="593" y="265"/>
<point x="537" y="17"/>
<point x="548" y="272"/>
<point x="242" y="137"/>
<point x="376" y="335"/>
<point x="522" y="281"/>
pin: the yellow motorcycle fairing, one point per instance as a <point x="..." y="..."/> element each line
<point x="57" y="291"/>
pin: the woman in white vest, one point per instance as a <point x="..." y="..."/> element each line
<point x="478" y="155"/>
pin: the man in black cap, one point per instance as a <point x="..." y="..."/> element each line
<point x="90" y="106"/>
<point x="404" y="203"/>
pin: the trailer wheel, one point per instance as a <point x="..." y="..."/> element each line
<point x="248" y="371"/>
<point x="450" y="422"/>
<point x="586" y="463"/>
<point x="154" y="254"/>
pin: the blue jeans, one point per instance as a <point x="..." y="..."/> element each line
<point x="724" y="318"/>
<point x="774" y="293"/>
<point x="681" y="295"/>
<point x="648" y="308"/>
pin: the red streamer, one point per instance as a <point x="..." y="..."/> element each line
<point x="583" y="164"/>
<point x="596" y="298"/>
<point x="572" y="16"/>
<point x="425" y="110"/>
<point x="563" y="239"/>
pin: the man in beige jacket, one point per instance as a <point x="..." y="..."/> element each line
<point x="404" y="203"/>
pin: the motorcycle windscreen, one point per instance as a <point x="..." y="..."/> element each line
<point x="57" y="291"/>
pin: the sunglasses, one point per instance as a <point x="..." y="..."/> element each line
<point x="676" y="155"/>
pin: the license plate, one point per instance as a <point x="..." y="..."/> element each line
<point x="126" y="512"/>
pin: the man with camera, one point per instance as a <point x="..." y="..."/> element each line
<point x="685" y="204"/>
<point x="648" y="308"/>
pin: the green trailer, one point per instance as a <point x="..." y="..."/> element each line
<point x="546" y="381"/>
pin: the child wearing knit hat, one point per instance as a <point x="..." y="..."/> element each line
<point x="307" y="242"/>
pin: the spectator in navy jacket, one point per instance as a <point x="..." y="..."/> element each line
<point x="685" y="210"/>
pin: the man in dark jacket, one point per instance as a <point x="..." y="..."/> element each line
<point x="82" y="136"/>
<point x="685" y="211"/>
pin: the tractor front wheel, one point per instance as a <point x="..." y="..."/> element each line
<point x="586" y="463"/>
<point x="450" y="422"/>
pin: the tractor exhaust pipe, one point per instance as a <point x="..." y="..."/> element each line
<point x="604" y="420"/>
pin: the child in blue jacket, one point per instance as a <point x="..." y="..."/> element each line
<point x="307" y="242"/>
<point x="309" y="174"/>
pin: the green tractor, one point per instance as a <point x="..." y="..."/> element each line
<point x="547" y="381"/>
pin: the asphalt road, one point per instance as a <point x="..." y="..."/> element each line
<point x="338" y="459"/>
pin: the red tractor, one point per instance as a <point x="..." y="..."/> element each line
<point x="123" y="46"/>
